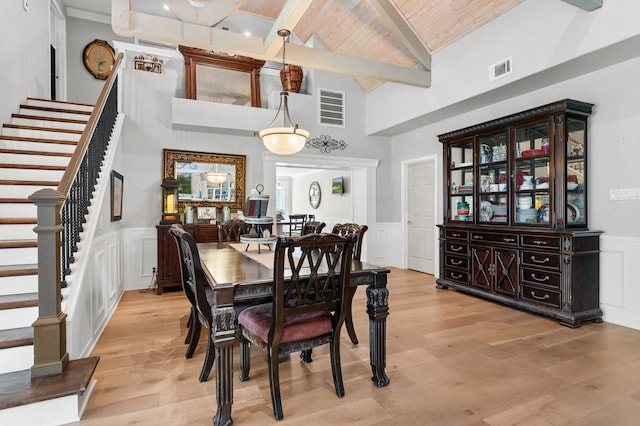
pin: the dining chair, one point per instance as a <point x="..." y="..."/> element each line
<point x="191" y="297"/>
<point x="313" y="227"/>
<point x="307" y="310"/>
<point x="358" y="230"/>
<point x="193" y="279"/>
<point x="296" y="223"/>
<point x="231" y="230"/>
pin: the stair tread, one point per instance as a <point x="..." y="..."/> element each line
<point x="40" y="128"/>
<point x="30" y="152"/>
<point x="15" y="301"/>
<point x="18" y="270"/>
<point x="19" y="388"/>
<point x="43" y="118"/>
<point x="30" y="167"/>
<point x="50" y="109"/>
<point x="15" y="201"/>
<point x="29" y="182"/>
<point x="18" y="221"/>
<point x="18" y="243"/>
<point x="38" y="140"/>
<point x="15" y="337"/>
<point x="29" y="98"/>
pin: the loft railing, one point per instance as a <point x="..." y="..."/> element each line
<point x="61" y="215"/>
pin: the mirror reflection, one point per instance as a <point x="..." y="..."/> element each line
<point x="207" y="179"/>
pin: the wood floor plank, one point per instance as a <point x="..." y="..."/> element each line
<point x="453" y="359"/>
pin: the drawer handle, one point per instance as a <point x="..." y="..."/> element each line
<point x="478" y="237"/>
<point x="455" y="262"/>
<point x="545" y="260"/>
<point x="456" y="248"/>
<point x="533" y="294"/>
<point x="456" y="277"/>
<point x="509" y="240"/>
<point x="546" y="278"/>
<point x="540" y="243"/>
<point x="455" y="235"/>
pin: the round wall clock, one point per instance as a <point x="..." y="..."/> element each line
<point x="314" y="194"/>
<point x="99" y="58"/>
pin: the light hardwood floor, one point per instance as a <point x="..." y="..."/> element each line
<point x="452" y="359"/>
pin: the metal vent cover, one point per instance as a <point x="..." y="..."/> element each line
<point x="500" y="69"/>
<point x="331" y="108"/>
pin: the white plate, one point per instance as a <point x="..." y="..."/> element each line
<point x="573" y="213"/>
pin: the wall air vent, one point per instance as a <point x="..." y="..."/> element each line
<point x="500" y="69"/>
<point x="331" y="108"/>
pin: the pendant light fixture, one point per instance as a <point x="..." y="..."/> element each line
<point x="216" y="176"/>
<point x="287" y="139"/>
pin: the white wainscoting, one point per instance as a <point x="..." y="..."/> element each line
<point x="620" y="280"/>
<point x="140" y="257"/>
<point x="385" y="245"/>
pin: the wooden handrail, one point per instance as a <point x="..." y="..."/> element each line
<point x="74" y="163"/>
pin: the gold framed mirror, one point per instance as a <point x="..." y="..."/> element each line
<point x="207" y="179"/>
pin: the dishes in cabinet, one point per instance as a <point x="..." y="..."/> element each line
<point x="573" y="213"/>
<point x="543" y="185"/>
<point x="486" y="211"/>
<point x="532" y="152"/>
<point x="571" y="186"/>
<point x="543" y="213"/>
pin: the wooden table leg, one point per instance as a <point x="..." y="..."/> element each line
<point x="378" y="310"/>
<point x="224" y="319"/>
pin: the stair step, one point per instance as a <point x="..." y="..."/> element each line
<point x="22" y="131"/>
<point x="18" y="232"/>
<point x="22" y="315"/>
<point x="14" y="360"/>
<point x="30" y="152"/>
<point x="49" y="173"/>
<point x="17" y="207"/>
<point x="41" y="129"/>
<point x="54" y="112"/>
<point x="53" y="122"/>
<point x="31" y="167"/>
<point x="38" y="140"/>
<point x="16" y="301"/>
<point x="16" y="337"/>
<point x="18" y="255"/>
<point x="18" y="243"/>
<point x="56" y="103"/>
<point x="18" y="270"/>
<point x="18" y="221"/>
<point x="29" y="182"/>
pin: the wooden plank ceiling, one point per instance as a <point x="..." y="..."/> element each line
<point x="373" y="40"/>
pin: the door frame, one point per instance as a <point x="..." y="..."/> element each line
<point x="58" y="39"/>
<point x="404" y="202"/>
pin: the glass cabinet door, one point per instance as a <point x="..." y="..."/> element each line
<point x="493" y="185"/>
<point x="576" y="172"/>
<point x="533" y="175"/>
<point x="461" y="181"/>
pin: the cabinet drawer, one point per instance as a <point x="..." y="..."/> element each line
<point x="548" y="260"/>
<point x="538" y="241"/>
<point x="206" y="234"/>
<point x="541" y="296"/>
<point x="539" y="277"/>
<point x="456" y="262"/>
<point x="458" y="276"/>
<point x="494" y="237"/>
<point x="456" y="248"/>
<point x="458" y="234"/>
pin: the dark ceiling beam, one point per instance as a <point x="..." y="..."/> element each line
<point x="588" y="5"/>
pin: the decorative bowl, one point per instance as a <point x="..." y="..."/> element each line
<point x="571" y="186"/>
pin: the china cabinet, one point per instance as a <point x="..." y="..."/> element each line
<point x="515" y="226"/>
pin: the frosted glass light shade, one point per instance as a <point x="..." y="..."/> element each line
<point x="217" y="177"/>
<point x="284" y="140"/>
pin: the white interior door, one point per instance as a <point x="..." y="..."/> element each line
<point x="421" y="232"/>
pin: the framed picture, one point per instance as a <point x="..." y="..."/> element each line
<point x="116" y="195"/>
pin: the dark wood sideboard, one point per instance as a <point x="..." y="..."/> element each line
<point x="168" y="262"/>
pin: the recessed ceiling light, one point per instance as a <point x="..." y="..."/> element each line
<point x="198" y="3"/>
<point x="247" y="33"/>
<point x="165" y="6"/>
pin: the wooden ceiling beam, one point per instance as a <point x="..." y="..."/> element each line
<point x="588" y="5"/>
<point x="403" y="30"/>
<point x="128" y="23"/>
<point x="289" y="17"/>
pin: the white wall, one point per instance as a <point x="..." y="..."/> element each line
<point x="24" y="54"/>
<point x="333" y="208"/>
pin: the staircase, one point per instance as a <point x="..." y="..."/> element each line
<point x="35" y="149"/>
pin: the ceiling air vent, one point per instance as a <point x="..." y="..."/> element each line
<point x="500" y="69"/>
<point x="331" y="107"/>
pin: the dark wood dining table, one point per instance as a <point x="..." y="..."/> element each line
<point x="238" y="279"/>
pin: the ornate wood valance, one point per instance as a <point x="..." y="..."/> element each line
<point x="220" y="77"/>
